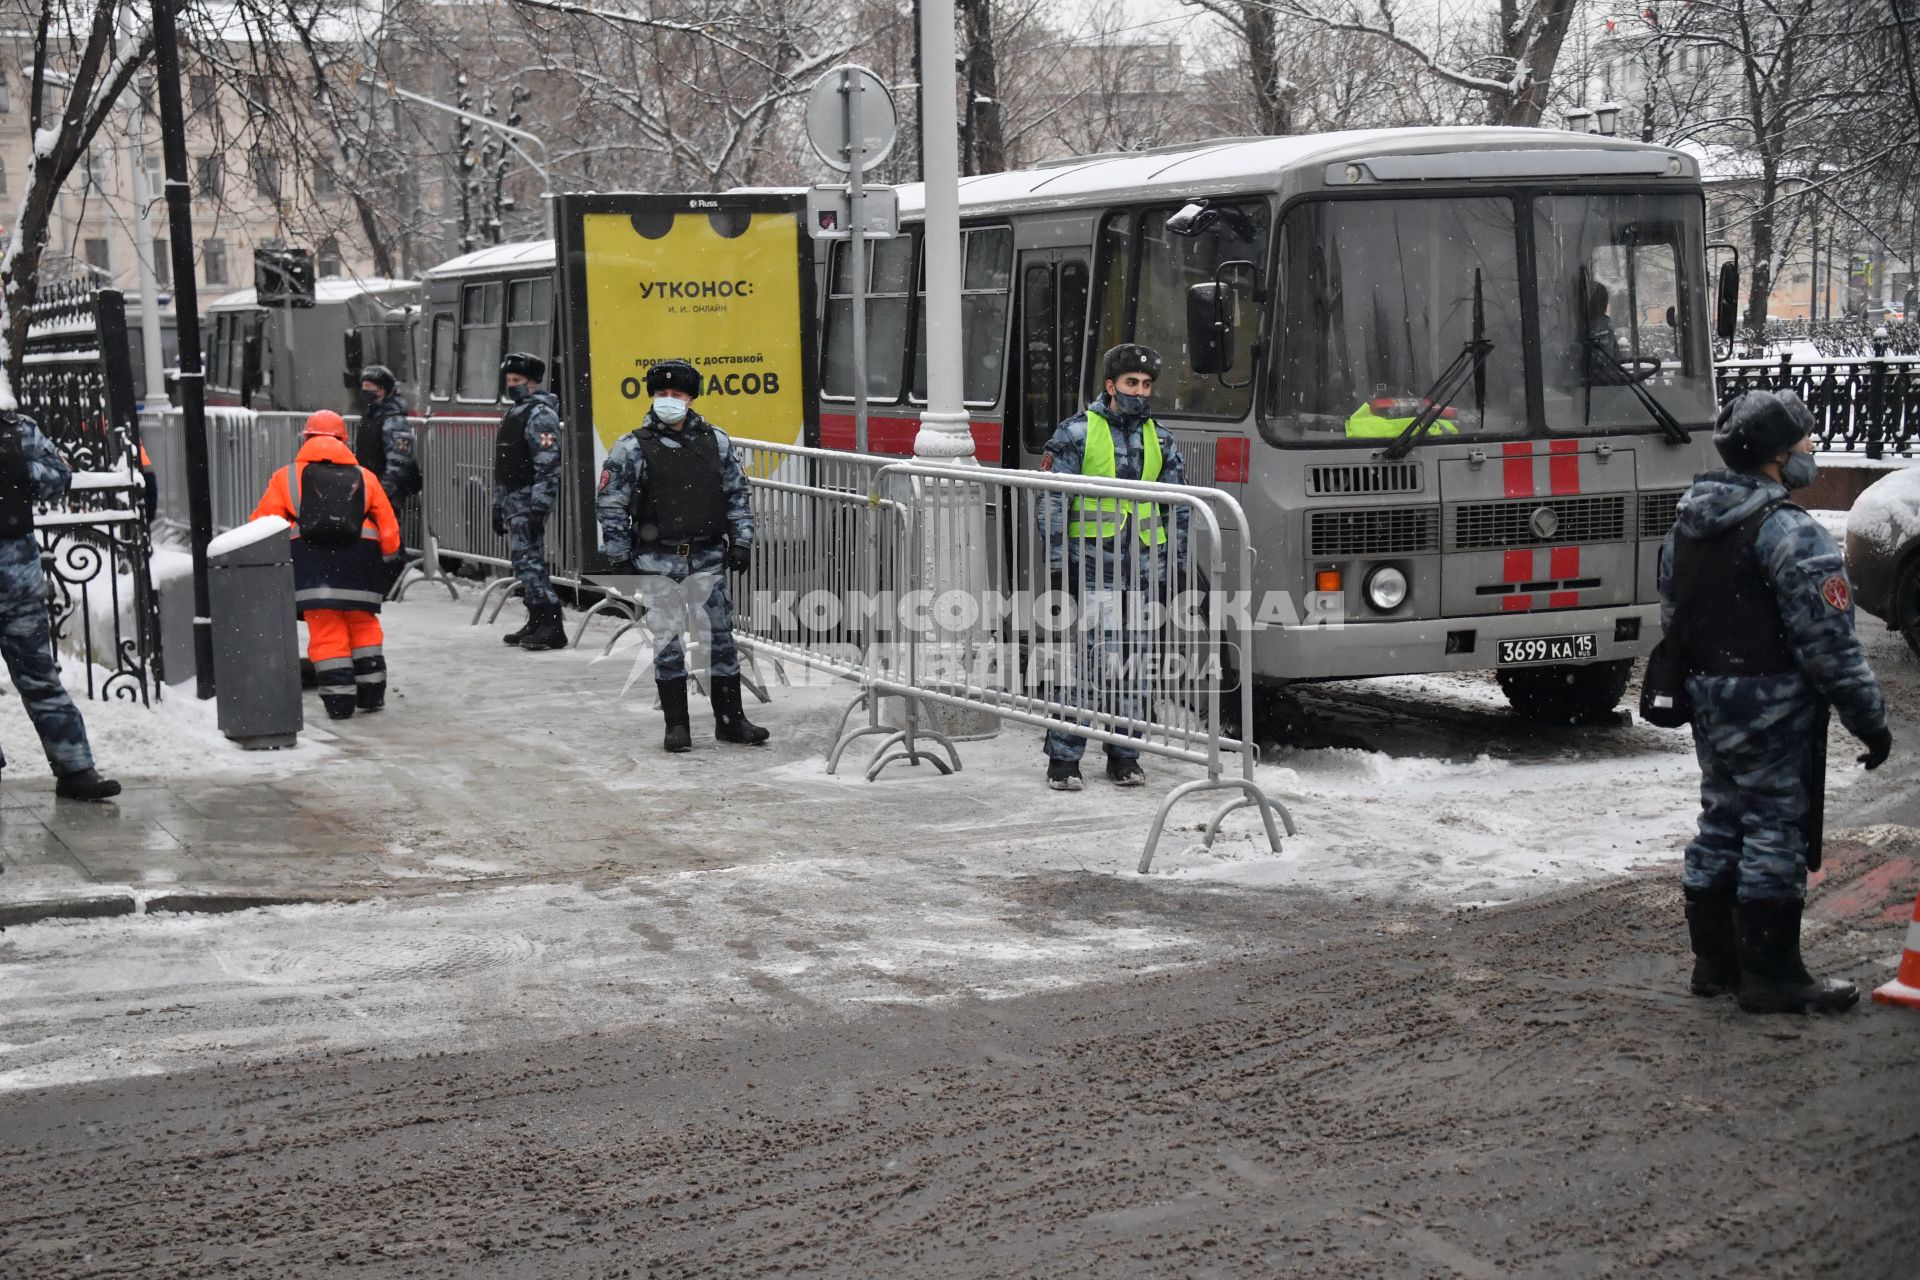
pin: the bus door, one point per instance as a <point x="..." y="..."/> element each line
<point x="1050" y="340"/>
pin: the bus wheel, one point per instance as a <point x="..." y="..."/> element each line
<point x="1566" y="695"/>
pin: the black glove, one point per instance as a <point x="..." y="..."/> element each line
<point x="1879" y="745"/>
<point x="739" y="556"/>
<point x="499" y="524"/>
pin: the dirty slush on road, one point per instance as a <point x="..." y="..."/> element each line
<point x="1352" y="1090"/>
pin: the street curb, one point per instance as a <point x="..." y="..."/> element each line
<point x="222" y="903"/>
<point x="18" y="913"/>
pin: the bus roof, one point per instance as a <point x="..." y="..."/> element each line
<point x="1208" y="168"/>
<point x="331" y="289"/>
<point x="496" y="257"/>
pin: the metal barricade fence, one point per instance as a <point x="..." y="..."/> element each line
<point x="992" y="602"/>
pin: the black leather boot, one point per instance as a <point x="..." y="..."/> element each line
<point x="520" y="633"/>
<point x="548" y="630"/>
<point x="730" y="724"/>
<point x="85" y="784"/>
<point x="1716" y="944"/>
<point x="1773" y="978"/>
<point x="673" y="705"/>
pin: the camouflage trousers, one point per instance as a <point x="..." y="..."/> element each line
<point x="1753" y="735"/>
<point x="527" y="546"/>
<point x="1105" y="677"/>
<point x="26" y="642"/>
<point x="688" y="594"/>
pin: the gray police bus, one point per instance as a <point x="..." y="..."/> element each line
<point x="1458" y="377"/>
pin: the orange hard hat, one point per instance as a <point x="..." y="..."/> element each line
<point x="326" y="423"/>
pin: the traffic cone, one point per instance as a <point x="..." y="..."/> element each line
<point x="1905" y="988"/>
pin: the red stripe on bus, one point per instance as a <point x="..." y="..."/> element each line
<point x="1563" y="468"/>
<point x="1518" y="468"/>
<point x="896" y="435"/>
<point x="1231" y="459"/>
<point x="1518" y="566"/>
<point x="1563" y="599"/>
<point x="1564" y="563"/>
<point x="1516" y="604"/>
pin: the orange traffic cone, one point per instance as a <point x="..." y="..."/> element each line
<point x="1905" y="988"/>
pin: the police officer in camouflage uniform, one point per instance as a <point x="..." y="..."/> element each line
<point x="383" y="443"/>
<point x="673" y="502"/>
<point x="526" y="483"/>
<point x="31" y="470"/>
<point x="1112" y="555"/>
<point x="1754" y="593"/>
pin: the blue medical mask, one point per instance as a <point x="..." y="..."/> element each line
<point x="1129" y="406"/>
<point x="668" y="410"/>
<point x="1799" y="470"/>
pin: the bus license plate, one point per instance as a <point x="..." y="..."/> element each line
<point x="1520" y="653"/>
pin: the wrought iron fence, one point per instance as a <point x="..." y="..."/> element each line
<point x="1869" y="406"/>
<point x="76" y="382"/>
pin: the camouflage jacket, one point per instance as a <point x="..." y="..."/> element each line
<point x="1063" y="457"/>
<point x="624" y="474"/>
<point x="1809" y="579"/>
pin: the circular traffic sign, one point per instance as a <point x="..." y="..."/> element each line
<point x="846" y="94"/>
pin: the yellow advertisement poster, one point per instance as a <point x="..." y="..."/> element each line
<point x="723" y="287"/>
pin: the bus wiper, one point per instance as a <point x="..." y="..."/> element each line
<point x="1468" y="364"/>
<point x="1662" y="417"/>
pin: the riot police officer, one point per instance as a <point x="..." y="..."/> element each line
<point x="32" y="470"/>
<point x="383" y="443"/>
<point x="673" y="502"/>
<point x="1754" y="593"/>
<point x="526" y="482"/>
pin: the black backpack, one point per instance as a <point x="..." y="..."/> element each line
<point x="333" y="504"/>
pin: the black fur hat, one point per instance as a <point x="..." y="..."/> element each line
<point x="1131" y="357"/>
<point x="673" y="375"/>
<point x="1760" y="425"/>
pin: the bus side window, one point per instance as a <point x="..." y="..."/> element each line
<point x="480" y="334"/>
<point x="1113" y="307"/>
<point x="985" y="285"/>
<point x="1039" y="352"/>
<point x="1073" y="324"/>
<point x="441" y="373"/>
<point x="529" y="313"/>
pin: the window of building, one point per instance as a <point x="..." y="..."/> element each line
<point x="327" y="261"/>
<point x="96" y="251"/>
<point x="200" y="92"/>
<point x="207" y="177"/>
<point x="3" y="177"/>
<point x="162" y="263"/>
<point x="325" y="185"/>
<point x="266" y="175"/>
<point x="213" y="256"/>
<point x="480" y="306"/>
<point x="6" y="94"/>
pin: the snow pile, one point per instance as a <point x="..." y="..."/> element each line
<point x="83" y="481"/>
<point x="1888" y="512"/>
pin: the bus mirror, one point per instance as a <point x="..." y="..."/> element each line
<point x="1671" y="319"/>
<point x="249" y="369"/>
<point x="353" y="352"/>
<point x="1210" y="309"/>
<point x="1727" y="313"/>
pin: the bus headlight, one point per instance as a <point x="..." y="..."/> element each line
<point x="1386" y="588"/>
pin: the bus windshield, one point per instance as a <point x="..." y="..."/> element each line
<point x="1618" y="307"/>
<point x="1380" y="299"/>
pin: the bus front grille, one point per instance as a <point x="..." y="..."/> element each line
<point x="1657" y="511"/>
<point x="1374" y="531"/>
<point x="1481" y="525"/>
<point x="1363" y="477"/>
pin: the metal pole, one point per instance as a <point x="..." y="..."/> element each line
<point x="944" y="432"/>
<point x="851" y="88"/>
<point x="186" y="307"/>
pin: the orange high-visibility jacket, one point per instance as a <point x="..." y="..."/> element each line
<point x="353" y="577"/>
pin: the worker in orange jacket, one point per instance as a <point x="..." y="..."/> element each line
<point x="346" y="551"/>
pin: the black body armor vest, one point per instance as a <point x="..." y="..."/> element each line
<point x="683" y="499"/>
<point x="1728" y="616"/>
<point x="512" y="456"/>
<point x="16" y="483"/>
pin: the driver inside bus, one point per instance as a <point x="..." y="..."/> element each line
<point x="1603" y="342"/>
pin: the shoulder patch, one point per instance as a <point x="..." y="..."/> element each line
<point x="1836" y="592"/>
<point x="606" y="477"/>
<point x="1046" y="462"/>
<point x="546" y="439"/>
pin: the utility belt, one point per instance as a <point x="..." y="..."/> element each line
<point x="683" y="549"/>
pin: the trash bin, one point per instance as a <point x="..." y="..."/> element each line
<point x="256" y="650"/>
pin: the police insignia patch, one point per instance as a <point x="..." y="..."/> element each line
<point x="1046" y="462"/>
<point x="1836" y="592"/>
<point x="546" y="439"/>
<point x="605" y="476"/>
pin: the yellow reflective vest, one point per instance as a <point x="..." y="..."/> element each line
<point x="1105" y="517"/>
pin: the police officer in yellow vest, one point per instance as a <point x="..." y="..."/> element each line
<point x="1108" y="552"/>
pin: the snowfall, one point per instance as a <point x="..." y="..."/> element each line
<point x="525" y="862"/>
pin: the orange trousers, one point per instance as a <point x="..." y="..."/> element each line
<point x="344" y="646"/>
